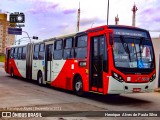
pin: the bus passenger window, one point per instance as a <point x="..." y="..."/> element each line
<point x="41" y="52"/>
<point x="68" y="51"/>
<point x="12" y="52"/>
<point x="36" y="50"/>
<point x="57" y="55"/>
<point x="15" y="53"/>
<point x="81" y="47"/>
<point x="19" y="53"/>
<point x="23" y="53"/>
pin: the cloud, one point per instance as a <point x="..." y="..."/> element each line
<point x="70" y="11"/>
<point x="42" y="8"/>
<point x="148" y="17"/>
<point x="90" y="21"/>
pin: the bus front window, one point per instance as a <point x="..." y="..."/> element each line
<point x="133" y="53"/>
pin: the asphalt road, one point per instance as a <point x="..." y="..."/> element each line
<point x="19" y="94"/>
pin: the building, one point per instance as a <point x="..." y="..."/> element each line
<point x="5" y="38"/>
<point x="156" y="43"/>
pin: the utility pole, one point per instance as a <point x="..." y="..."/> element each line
<point x="116" y="20"/>
<point x="78" y="18"/>
<point x="134" y="9"/>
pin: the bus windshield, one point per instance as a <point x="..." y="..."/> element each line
<point x="133" y="52"/>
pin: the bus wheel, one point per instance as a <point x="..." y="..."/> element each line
<point x="12" y="74"/>
<point x="78" y="86"/>
<point x="40" y="78"/>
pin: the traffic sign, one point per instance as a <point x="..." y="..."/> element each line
<point x="15" y="31"/>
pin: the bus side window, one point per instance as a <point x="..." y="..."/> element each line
<point x="19" y="57"/>
<point x="12" y="51"/>
<point x="68" y="48"/>
<point x="23" y="53"/>
<point x="41" y="52"/>
<point x="81" y="47"/>
<point x="58" y="45"/>
<point x="15" y="54"/>
<point x="36" y="50"/>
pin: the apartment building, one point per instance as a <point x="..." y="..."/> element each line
<point x="5" y="38"/>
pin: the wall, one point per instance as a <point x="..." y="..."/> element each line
<point x="156" y="44"/>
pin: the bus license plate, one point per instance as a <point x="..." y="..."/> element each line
<point x="136" y="89"/>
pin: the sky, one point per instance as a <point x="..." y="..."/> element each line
<point x="50" y="18"/>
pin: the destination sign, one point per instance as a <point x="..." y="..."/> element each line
<point x="130" y="33"/>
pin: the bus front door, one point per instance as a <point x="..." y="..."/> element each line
<point x="97" y="62"/>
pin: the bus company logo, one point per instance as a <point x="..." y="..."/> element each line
<point x="6" y="114"/>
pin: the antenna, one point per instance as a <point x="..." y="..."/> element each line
<point x="78" y="18"/>
<point x="134" y="9"/>
<point x="108" y="12"/>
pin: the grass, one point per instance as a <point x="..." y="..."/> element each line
<point x="2" y="57"/>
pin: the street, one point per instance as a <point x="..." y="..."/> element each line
<point x="18" y="93"/>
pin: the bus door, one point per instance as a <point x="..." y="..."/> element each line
<point x="98" y="60"/>
<point x="7" y="59"/>
<point x="48" y="62"/>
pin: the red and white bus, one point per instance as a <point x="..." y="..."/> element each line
<point x="104" y="60"/>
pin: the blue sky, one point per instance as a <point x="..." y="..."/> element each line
<point x="49" y="18"/>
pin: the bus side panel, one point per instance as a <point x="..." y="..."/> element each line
<point x="64" y="79"/>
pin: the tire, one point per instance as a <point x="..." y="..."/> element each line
<point x="78" y="86"/>
<point x="40" y="78"/>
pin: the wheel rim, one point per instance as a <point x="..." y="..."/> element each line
<point x="78" y="85"/>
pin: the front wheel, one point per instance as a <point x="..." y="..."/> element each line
<point x="78" y="86"/>
<point x="40" y="78"/>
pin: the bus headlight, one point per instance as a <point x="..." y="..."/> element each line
<point x="117" y="77"/>
<point x="152" y="77"/>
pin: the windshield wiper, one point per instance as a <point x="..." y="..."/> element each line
<point x="125" y="46"/>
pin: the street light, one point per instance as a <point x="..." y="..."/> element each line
<point x="34" y="37"/>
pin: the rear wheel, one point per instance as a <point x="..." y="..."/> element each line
<point x="78" y="86"/>
<point x="40" y="78"/>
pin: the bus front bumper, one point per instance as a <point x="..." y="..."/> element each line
<point x="116" y="87"/>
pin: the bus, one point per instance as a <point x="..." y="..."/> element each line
<point x="105" y="60"/>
